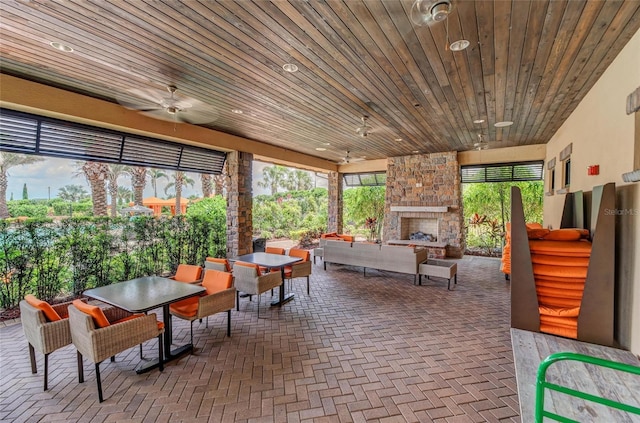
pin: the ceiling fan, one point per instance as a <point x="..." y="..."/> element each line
<point x="481" y="144"/>
<point x="363" y="130"/>
<point x="427" y="12"/>
<point x="172" y="107"/>
<point x="349" y="159"/>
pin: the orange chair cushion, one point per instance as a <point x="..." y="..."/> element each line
<point x="559" y="271"/>
<point x="559" y="293"/>
<point x="561" y="248"/>
<point x="558" y="302"/>
<point x="274" y="250"/>
<point x="221" y="261"/>
<point x="303" y="254"/>
<point x="329" y="235"/>
<point x="49" y="313"/>
<point x="565" y="322"/>
<point x="186" y="307"/>
<point x="188" y="273"/>
<point x="348" y="238"/>
<point x="559" y="311"/>
<point x="563" y="235"/>
<point x="559" y="279"/>
<point x="245" y="264"/>
<point x="559" y="260"/>
<point x="216" y="281"/>
<point x="531" y="225"/>
<point x="559" y="331"/>
<point x="537" y="233"/>
<point x="560" y="285"/>
<point x="96" y="312"/>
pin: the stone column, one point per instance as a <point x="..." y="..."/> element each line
<point x="334" y="220"/>
<point x="239" y="204"/>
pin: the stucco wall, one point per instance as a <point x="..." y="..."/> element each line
<point x="603" y="134"/>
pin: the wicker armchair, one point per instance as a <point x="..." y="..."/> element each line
<point x="249" y="279"/>
<point x="221" y="264"/>
<point x="98" y="343"/>
<point x="300" y="269"/>
<point x="220" y="297"/>
<point x="42" y="334"/>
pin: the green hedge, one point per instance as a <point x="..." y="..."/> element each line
<point x="54" y="259"/>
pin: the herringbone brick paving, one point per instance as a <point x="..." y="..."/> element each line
<point x="358" y="349"/>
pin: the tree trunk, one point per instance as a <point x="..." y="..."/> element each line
<point x="113" y="193"/>
<point x="96" y="174"/>
<point x="4" y="210"/>
<point x="178" y="186"/>
<point x="138" y="181"/>
<point x="207" y="185"/>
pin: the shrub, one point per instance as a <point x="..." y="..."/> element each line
<point x="27" y="208"/>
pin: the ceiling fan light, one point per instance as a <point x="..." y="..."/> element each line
<point x="172" y="110"/>
<point x="459" y="45"/>
<point x="440" y="11"/>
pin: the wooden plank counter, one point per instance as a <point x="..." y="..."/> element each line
<point x="530" y="348"/>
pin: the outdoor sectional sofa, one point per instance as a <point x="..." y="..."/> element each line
<point x="391" y="258"/>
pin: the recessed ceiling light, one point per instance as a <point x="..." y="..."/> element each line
<point x="321" y="149"/>
<point x="237" y="111"/>
<point x="478" y="121"/>
<point x="398" y="139"/>
<point x="459" y="45"/>
<point x="61" y="47"/>
<point x="290" y="67"/>
<point x="326" y="143"/>
<point x="415" y="151"/>
<point x="503" y="124"/>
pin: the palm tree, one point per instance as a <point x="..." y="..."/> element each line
<point x="115" y="171"/>
<point x="138" y="181"/>
<point x="7" y="161"/>
<point x="207" y="184"/>
<point x="221" y="181"/>
<point x="97" y="174"/>
<point x="154" y="175"/>
<point x="180" y="179"/>
<point x="72" y="193"/>
<point x="124" y="195"/>
<point x="298" y="180"/>
<point x="273" y="177"/>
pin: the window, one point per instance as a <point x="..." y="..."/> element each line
<point x="33" y="134"/>
<point x="565" y="158"/>
<point x="551" y="177"/>
<point x="504" y="172"/>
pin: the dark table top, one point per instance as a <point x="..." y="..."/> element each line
<point x="268" y="260"/>
<point x="144" y="294"/>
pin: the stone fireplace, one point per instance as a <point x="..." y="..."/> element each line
<point x="424" y="197"/>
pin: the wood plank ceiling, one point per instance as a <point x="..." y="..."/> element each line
<point x="529" y="62"/>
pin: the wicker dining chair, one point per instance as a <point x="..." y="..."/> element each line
<point x="220" y="297"/>
<point x="300" y="269"/>
<point x="189" y="273"/>
<point x="221" y="264"/>
<point x="97" y="337"/>
<point x="250" y="280"/>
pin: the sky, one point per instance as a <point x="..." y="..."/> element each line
<point x="45" y="178"/>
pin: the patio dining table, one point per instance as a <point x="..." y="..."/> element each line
<point x="272" y="261"/>
<point x="144" y="294"/>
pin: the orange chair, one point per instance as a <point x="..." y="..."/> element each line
<point x="300" y="269"/>
<point x="46" y="328"/>
<point x="273" y="250"/>
<point x="189" y="273"/>
<point x="220" y="264"/>
<point x="220" y="297"/>
<point x="98" y="336"/>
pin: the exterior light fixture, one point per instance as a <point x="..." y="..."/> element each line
<point x="503" y="124"/>
<point x="459" y="45"/>
<point x="290" y="67"/>
<point x="62" y="47"/>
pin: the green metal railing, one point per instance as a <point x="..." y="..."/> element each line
<point x="542" y="384"/>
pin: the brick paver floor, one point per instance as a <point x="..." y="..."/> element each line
<point x="358" y="349"/>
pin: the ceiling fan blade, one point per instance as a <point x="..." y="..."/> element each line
<point x="197" y="116"/>
<point x="160" y="114"/>
<point x="150" y="95"/>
